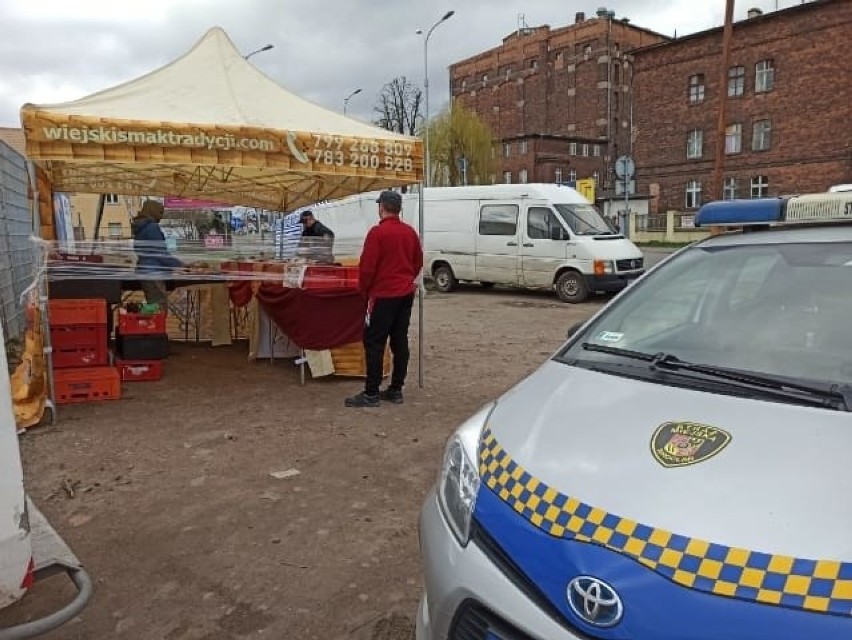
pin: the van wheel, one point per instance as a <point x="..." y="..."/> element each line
<point x="445" y="280"/>
<point x="571" y="287"/>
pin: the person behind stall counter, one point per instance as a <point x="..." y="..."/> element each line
<point x="320" y="237"/>
<point x="154" y="263"/>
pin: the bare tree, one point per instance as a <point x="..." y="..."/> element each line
<point x="399" y="105"/>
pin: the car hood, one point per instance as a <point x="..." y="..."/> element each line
<point x="778" y="480"/>
<point x="611" y="248"/>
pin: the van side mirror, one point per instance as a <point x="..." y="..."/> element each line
<point x="574" y="329"/>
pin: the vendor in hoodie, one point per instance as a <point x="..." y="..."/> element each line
<point x="154" y="263"/>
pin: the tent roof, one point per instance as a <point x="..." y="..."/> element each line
<point x="210" y="124"/>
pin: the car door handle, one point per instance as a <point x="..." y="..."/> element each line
<point x="511" y="244"/>
<point x="529" y="244"/>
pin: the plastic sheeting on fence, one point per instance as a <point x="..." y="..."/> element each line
<point x="17" y="253"/>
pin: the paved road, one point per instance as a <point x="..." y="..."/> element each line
<point x="653" y="255"/>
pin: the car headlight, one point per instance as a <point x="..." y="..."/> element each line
<point x="604" y="268"/>
<point x="458" y="482"/>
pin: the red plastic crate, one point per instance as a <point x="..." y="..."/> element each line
<point x="139" y="370"/>
<point x="135" y="324"/>
<point x="77" y="311"/>
<point x="75" y="357"/>
<point x="81" y="335"/>
<point x="93" y="384"/>
<point x="322" y="277"/>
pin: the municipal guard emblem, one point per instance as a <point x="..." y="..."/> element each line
<point x="678" y="444"/>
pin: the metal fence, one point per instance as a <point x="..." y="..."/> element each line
<point x="17" y="252"/>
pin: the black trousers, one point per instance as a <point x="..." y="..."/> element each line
<point x="388" y="320"/>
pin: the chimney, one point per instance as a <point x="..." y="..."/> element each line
<point x="754" y="13"/>
<point x="580" y="17"/>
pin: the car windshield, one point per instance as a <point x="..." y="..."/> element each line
<point x="583" y="219"/>
<point x="780" y="309"/>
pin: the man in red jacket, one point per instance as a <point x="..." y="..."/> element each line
<point x="390" y="265"/>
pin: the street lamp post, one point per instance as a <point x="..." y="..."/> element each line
<point x="427" y="163"/>
<point x="265" y="47"/>
<point x="347" y="98"/>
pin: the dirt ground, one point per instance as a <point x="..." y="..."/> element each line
<point x="187" y="535"/>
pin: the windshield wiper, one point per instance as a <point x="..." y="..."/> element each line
<point x="836" y="395"/>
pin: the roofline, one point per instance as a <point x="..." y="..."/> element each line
<point x="558" y="30"/>
<point x="770" y="15"/>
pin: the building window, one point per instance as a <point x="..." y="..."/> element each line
<point x="507" y="177"/>
<point x="572" y="176"/>
<point x="764" y="76"/>
<point x="693" y="194"/>
<point x="498" y="220"/>
<point x="736" y="81"/>
<point x="523" y="147"/>
<point x="557" y="175"/>
<point x="733" y="138"/>
<point x="761" y="135"/>
<point x="533" y="64"/>
<point x="507" y="149"/>
<point x="484" y="78"/>
<point x="572" y="148"/>
<point x="730" y="189"/>
<point x="587" y="51"/>
<point x="696" y="88"/>
<point x="615" y="100"/>
<point x="586" y="150"/>
<point x="114" y="230"/>
<point x="522" y="176"/>
<point x="508" y="72"/>
<point x="759" y="187"/>
<point x="464" y="85"/>
<point x="111" y="198"/>
<point x="596" y="150"/>
<point x="695" y="144"/>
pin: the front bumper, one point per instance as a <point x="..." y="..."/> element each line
<point x="612" y="283"/>
<point x="458" y="583"/>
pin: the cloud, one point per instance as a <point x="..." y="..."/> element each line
<point x="55" y="50"/>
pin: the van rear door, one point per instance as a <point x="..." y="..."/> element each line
<point x="498" y="253"/>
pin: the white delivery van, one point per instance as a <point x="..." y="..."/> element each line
<point x="528" y="235"/>
<point x="29" y="547"/>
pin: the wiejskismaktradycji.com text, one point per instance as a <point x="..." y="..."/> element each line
<point x="114" y="135"/>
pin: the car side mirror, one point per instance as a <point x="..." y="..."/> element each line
<point x="574" y="329"/>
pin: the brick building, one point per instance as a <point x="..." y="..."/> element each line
<point x="789" y="93"/>
<point x="557" y="100"/>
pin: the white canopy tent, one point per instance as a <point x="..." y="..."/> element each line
<point x="211" y="125"/>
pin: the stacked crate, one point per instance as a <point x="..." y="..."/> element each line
<point x="141" y="344"/>
<point x="80" y="344"/>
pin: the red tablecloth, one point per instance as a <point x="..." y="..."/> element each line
<point x="314" y="319"/>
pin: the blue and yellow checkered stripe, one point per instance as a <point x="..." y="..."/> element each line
<point x="824" y="586"/>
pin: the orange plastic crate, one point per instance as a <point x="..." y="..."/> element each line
<point x="93" y="384"/>
<point x="134" y="324"/>
<point x="77" y="311"/>
<point x="139" y="370"/>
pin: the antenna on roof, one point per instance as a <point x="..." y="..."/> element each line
<point x="523" y="27"/>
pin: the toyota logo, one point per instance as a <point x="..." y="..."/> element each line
<point x="594" y="601"/>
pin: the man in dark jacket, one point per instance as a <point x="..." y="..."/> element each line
<point x="317" y="237"/>
<point x="154" y="263"/>
<point x="389" y="268"/>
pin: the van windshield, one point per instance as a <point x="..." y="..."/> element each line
<point x="584" y="219"/>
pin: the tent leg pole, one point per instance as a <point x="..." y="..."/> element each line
<point x="420" y="293"/>
<point x="302" y="367"/>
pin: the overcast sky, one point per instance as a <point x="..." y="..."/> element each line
<point x="58" y="50"/>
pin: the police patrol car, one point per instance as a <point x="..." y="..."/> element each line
<point x="681" y="468"/>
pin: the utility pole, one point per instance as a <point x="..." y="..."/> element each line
<point x="717" y="191"/>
